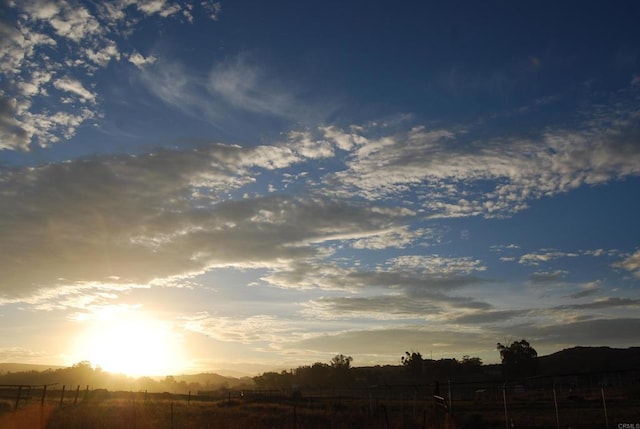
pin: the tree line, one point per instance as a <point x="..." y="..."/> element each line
<point x="519" y="359"/>
<point x="85" y="374"/>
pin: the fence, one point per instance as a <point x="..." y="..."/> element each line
<point x="598" y="400"/>
<point x="574" y="400"/>
<point x="27" y="393"/>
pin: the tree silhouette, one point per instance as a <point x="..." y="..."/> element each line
<point x="413" y="362"/>
<point x="341" y="370"/>
<point x="341" y="361"/>
<point x="471" y="365"/>
<point x="519" y="359"/>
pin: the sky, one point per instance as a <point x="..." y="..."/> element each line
<point x="247" y="185"/>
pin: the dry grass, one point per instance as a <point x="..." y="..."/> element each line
<point x="28" y="417"/>
<point x="131" y="412"/>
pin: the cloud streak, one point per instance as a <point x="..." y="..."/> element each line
<point x="159" y="215"/>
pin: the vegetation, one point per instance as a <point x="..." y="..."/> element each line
<point x="519" y="359"/>
<point x="413" y="362"/>
<point x="338" y="395"/>
<point x="84" y="374"/>
<point x="519" y="363"/>
<point x="319" y="375"/>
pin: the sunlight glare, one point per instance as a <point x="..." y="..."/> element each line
<point x="134" y="344"/>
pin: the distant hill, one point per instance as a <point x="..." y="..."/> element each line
<point x="25" y="367"/>
<point x="576" y="360"/>
<point x="590" y="359"/>
<point x="212" y="380"/>
<point x="86" y="375"/>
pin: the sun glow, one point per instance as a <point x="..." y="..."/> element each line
<point x="132" y="343"/>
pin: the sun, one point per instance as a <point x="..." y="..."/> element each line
<point x="131" y="343"/>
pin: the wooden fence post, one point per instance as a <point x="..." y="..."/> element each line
<point x="44" y="394"/>
<point x="604" y="404"/>
<point x="555" y="402"/>
<point x="506" y="414"/>
<point x="450" y="401"/>
<point x="62" y="395"/>
<point x="18" y="397"/>
<point x="75" y="399"/>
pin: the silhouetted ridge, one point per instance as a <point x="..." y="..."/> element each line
<point x="590" y="359"/>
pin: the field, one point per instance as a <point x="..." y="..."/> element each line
<point x="386" y="408"/>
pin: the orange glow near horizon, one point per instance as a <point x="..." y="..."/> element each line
<point x="131" y="343"/>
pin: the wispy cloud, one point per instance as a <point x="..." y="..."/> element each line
<point x="546" y="255"/>
<point x="602" y="303"/>
<point x="259" y="329"/>
<point x="487" y="317"/>
<point x="20" y="354"/>
<point x="232" y="89"/>
<point x="547" y="276"/>
<point x="245" y="86"/>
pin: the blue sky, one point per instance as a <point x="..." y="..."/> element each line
<point x="250" y="186"/>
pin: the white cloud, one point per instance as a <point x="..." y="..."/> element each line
<point x="140" y="61"/>
<point x="631" y="263"/>
<point x="75" y="86"/>
<point x="161" y="7"/>
<point x="503" y="247"/>
<point x="36" y="85"/>
<point x="12" y="133"/>
<point x="304" y="144"/>
<point x="453" y="175"/>
<point x="42" y="9"/>
<point x="344" y="140"/>
<point x="76" y="24"/>
<point x="104" y="55"/>
<point x="546" y="255"/>
<point x="85" y="39"/>
<point x="49" y="128"/>
<point x="270" y="157"/>
<point x="435" y="264"/>
<point x="80" y="296"/>
<point x="394" y="238"/>
<point x="425" y="278"/>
